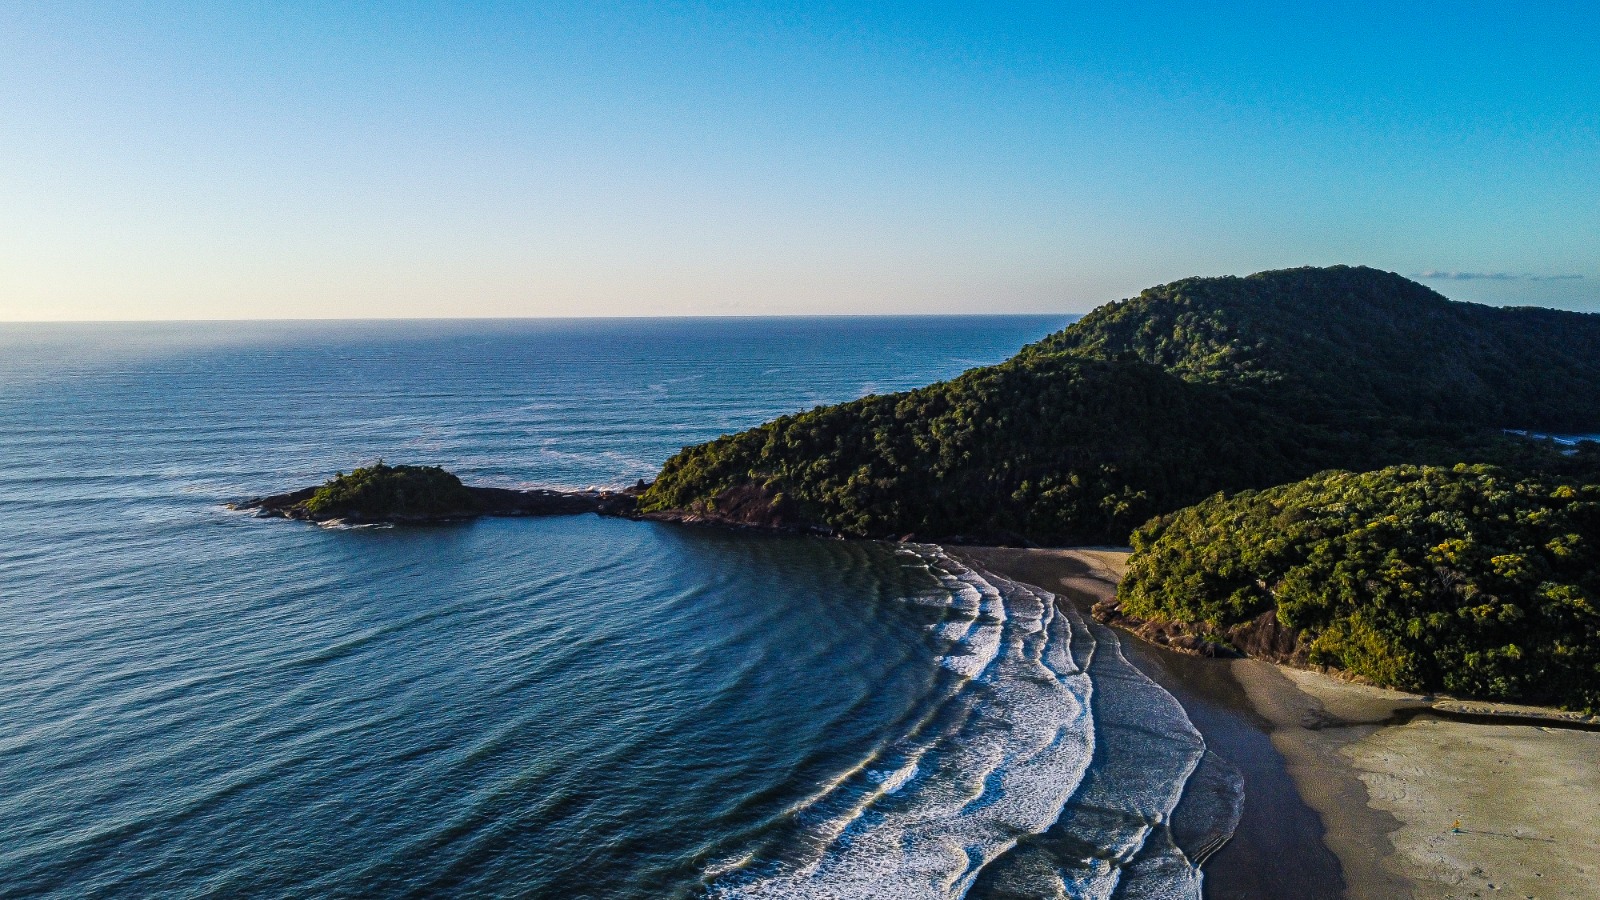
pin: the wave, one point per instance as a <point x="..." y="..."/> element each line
<point x="1042" y="763"/>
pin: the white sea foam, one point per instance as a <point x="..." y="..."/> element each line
<point x="996" y="760"/>
<point x="1149" y="750"/>
<point x="1004" y="754"/>
<point x="1113" y="836"/>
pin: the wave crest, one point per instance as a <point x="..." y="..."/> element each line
<point x="1044" y="764"/>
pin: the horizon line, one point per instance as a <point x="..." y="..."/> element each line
<point x="595" y="318"/>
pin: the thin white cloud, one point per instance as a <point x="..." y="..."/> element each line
<point x="1493" y="276"/>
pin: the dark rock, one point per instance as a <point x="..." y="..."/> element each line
<point x="1197" y="640"/>
<point x="749" y="505"/>
<point x="275" y="504"/>
<point x="1264" y="637"/>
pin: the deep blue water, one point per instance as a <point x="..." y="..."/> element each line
<point x="196" y="703"/>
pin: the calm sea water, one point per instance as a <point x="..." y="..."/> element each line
<point x="196" y="703"/>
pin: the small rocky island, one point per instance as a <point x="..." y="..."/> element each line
<point x="385" y="494"/>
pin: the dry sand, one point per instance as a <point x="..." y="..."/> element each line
<point x="1527" y="797"/>
<point x="1390" y="779"/>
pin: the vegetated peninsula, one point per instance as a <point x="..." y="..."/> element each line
<point x="1477" y="579"/>
<point x="381" y="493"/>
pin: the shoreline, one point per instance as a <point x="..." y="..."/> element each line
<point x="1358" y="788"/>
<point x="1275" y="823"/>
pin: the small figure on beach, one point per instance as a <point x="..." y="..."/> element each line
<point x="1456" y="828"/>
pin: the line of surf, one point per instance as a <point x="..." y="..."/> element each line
<point x="995" y="759"/>
<point x="1047" y="764"/>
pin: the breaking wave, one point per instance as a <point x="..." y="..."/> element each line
<point x="1040" y="763"/>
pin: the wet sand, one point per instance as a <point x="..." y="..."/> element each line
<point x="1353" y="791"/>
<point x="1276" y="825"/>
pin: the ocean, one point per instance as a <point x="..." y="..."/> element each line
<point x="198" y="703"/>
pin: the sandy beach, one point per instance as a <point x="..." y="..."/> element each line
<point x="1354" y="791"/>
<point x="1478" y="809"/>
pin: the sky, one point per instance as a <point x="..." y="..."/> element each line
<point x="398" y="159"/>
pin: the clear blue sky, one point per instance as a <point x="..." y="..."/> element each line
<point x="267" y="160"/>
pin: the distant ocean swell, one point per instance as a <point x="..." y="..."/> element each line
<point x="1040" y="763"/>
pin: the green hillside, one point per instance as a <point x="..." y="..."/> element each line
<point x="1469" y="579"/>
<point x="1151" y="404"/>
<point x="1340" y="343"/>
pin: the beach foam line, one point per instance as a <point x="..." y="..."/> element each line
<point x="1149" y="750"/>
<point x="996" y="760"/>
<point x="1049" y="765"/>
<point x="1114" y="835"/>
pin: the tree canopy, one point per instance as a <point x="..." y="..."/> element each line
<point x="384" y="492"/>
<point x="1342" y="344"/>
<point x="1153" y="403"/>
<point x="1470" y="579"/>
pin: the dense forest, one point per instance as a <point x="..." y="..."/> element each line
<point x="1347" y="344"/>
<point x="1153" y="403"/>
<point x="1469" y="579"/>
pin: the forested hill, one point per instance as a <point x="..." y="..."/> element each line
<point x="1469" y="579"/>
<point x="1358" y="340"/>
<point x="1154" y="403"/>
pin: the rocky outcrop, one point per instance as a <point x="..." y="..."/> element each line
<point x="748" y="505"/>
<point x="507" y="502"/>
<point x="1263" y="637"/>
<point x="484" y="501"/>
